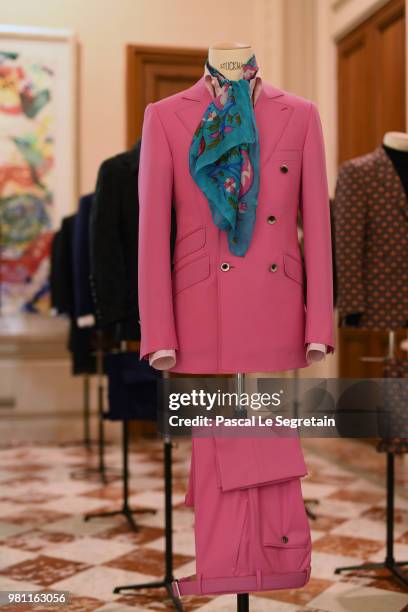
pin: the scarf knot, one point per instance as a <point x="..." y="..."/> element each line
<point x="224" y="158"/>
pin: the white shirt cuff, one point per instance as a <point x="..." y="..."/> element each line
<point x="163" y="359"/>
<point x="315" y="352"/>
<point x="86" y="321"/>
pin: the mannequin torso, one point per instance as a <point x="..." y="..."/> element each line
<point x="229" y="57"/>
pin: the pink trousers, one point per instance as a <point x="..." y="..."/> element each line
<point x="251" y="528"/>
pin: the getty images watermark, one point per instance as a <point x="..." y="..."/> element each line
<point x="349" y="408"/>
<point x="243" y="402"/>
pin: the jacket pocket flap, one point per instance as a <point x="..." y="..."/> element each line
<point x="191" y="273"/>
<point x="189" y="244"/>
<point x="285" y="524"/>
<point x="293" y="268"/>
<point x="299" y="539"/>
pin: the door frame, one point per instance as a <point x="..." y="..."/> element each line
<point x="136" y="57"/>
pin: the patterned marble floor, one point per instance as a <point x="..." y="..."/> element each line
<point x="45" y="543"/>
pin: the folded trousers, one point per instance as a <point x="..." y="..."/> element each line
<point x="251" y="528"/>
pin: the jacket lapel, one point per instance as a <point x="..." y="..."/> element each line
<point x="272" y="115"/>
<point x="391" y="181"/>
<point x="195" y="101"/>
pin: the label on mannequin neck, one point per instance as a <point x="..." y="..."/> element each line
<point x="231" y="65"/>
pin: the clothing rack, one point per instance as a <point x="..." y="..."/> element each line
<point x="389" y="562"/>
<point x="168" y="578"/>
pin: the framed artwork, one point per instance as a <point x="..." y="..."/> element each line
<point x="38" y="158"/>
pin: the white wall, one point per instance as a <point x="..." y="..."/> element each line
<point x="104" y="27"/>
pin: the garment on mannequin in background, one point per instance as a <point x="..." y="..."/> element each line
<point x="113" y="243"/>
<point x="61" y="273"/>
<point x="371" y="228"/>
<point x="114" y="235"/>
<point x="84" y="306"/>
<point x="63" y="297"/>
<point x="132" y="388"/>
<point x="224" y="306"/>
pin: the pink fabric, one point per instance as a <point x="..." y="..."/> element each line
<point x="166" y="359"/>
<point x="247" y="318"/>
<point x="251" y="528"/>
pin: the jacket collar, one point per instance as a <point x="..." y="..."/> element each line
<point x="271" y="112"/>
<point x="199" y="92"/>
<point x="390" y="178"/>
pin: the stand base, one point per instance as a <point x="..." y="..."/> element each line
<point x="392" y="566"/>
<point x="160" y="584"/>
<point x="126" y="512"/>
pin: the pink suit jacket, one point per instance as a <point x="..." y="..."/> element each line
<point x="220" y="312"/>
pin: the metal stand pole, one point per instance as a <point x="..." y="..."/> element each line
<point x="87" y="433"/>
<point x="100" y="471"/>
<point x="125" y="510"/>
<point x="240" y="411"/>
<point x="101" y="428"/>
<point x="168" y="579"/>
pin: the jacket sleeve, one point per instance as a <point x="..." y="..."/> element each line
<point x="158" y="329"/>
<point x="349" y="214"/>
<point x="108" y="280"/>
<point x="317" y="237"/>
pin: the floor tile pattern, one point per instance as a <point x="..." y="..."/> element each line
<point x="46" y="544"/>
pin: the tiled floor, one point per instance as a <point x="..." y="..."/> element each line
<point x="45" y="543"/>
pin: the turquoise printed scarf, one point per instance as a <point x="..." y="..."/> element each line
<point x="224" y="158"/>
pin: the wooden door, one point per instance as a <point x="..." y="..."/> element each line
<point x="371" y="81"/>
<point x="371" y="101"/>
<point x="154" y="73"/>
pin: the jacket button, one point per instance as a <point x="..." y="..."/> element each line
<point x="271" y="219"/>
<point x="284" y="169"/>
<point x="285" y="539"/>
<point x="273" y="267"/>
<point x="225" y="266"/>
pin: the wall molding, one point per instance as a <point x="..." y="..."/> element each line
<point x="348" y="14"/>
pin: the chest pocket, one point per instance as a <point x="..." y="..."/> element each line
<point x="189" y="244"/>
<point x="190" y="273"/>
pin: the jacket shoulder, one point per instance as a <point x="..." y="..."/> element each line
<point x="287" y="97"/>
<point x="358" y="165"/>
<point x="168" y="103"/>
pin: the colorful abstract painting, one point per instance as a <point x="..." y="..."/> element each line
<point x="38" y="157"/>
<point x="26" y="181"/>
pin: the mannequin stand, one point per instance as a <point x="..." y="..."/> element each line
<point x="389" y="563"/>
<point x="168" y="579"/>
<point x="87" y="414"/>
<point x="308" y="502"/>
<point x="99" y="472"/>
<point x="86" y="418"/>
<point x="126" y="511"/>
<point x="239" y="411"/>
